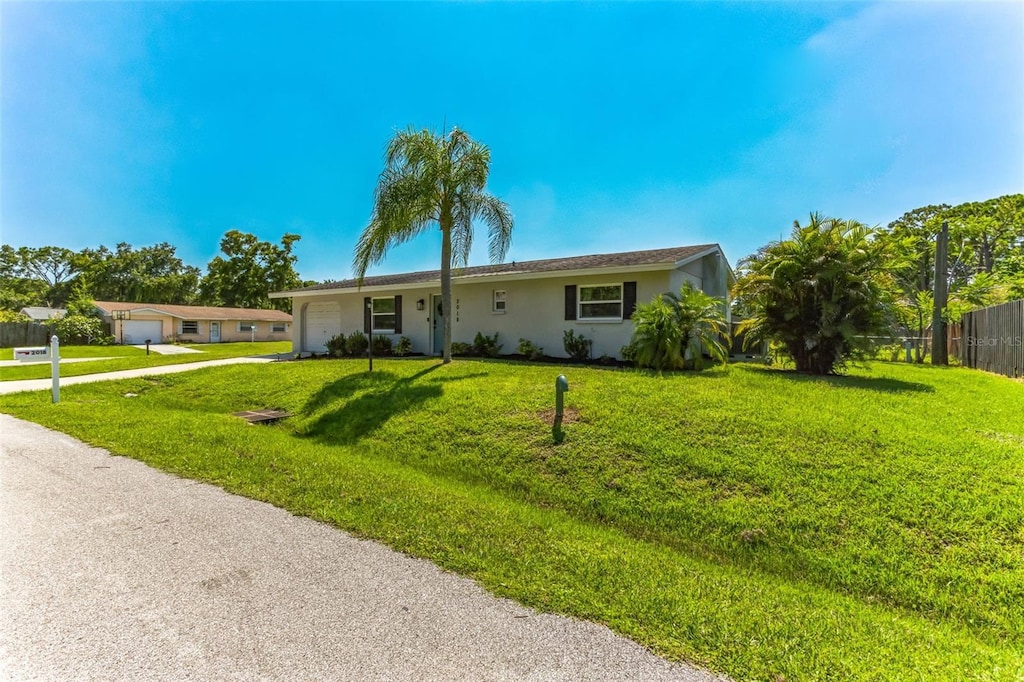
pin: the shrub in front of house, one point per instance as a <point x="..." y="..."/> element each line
<point x="356" y="344"/>
<point x="336" y="346"/>
<point x="530" y="350"/>
<point x="403" y="347"/>
<point x="461" y="349"/>
<point x="577" y="347"/>
<point x="486" y="346"/>
<point x="381" y="345"/>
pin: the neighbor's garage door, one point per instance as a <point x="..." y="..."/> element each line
<point x="137" y="331"/>
<point x="323" y="322"/>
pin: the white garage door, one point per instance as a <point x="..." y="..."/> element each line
<point x="323" y="322"/>
<point x="137" y="331"/>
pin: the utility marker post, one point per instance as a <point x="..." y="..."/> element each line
<point x="55" y="367"/>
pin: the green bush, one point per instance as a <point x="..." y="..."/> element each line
<point x="403" y="347"/>
<point x="576" y="347"/>
<point x="336" y="346"/>
<point x="381" y="345"/>
<point x="356" y="344"/>
<point x="79" y="329"/>
<point x="530" y="350"/>
<point x="462" y="349"/>
<point x="486" y="346"/>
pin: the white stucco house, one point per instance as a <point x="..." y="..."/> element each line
<point x="536" y="300"/>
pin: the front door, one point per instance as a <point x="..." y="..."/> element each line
<point x="438" y="322"/>
<point x="215" y="332"/>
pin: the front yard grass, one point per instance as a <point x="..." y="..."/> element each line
<point x="765" y="524"/>
<point x="129" y="357"/>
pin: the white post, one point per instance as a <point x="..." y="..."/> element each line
<point x="55" y="367"/>
<point x="253" y="330"/>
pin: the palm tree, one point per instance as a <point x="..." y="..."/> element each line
<point x="820" y="294"/>
<point x="432" y="180"/>
<point x="673" y="326"/>
<point x="702" y="324"/>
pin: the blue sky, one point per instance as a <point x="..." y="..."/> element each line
<point x="612" y="127"/>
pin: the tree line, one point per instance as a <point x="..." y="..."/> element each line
<point x="824" y="292"/>
<point x="241" y="276"/>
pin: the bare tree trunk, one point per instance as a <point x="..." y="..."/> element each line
<point x="446" y="288"/>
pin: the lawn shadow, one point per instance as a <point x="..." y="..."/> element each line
<point x="882" y="384"/>
<point x="384" y="396"/>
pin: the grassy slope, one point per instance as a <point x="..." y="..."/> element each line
<point x="129" y="357"/>
<point x="756" y="521"/>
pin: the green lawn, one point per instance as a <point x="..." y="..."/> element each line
<point x="129" y="357"/>
<point x="765" y="524"/>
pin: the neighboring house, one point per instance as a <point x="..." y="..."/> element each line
<point x="133" y="323"/>
<point x="535" y="300"/>
<point x="41" y="314"/>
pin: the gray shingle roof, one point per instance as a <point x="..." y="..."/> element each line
<point x="604" y="260"/>
<point x="195" y="312"/>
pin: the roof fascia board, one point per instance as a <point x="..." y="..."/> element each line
<point x="469" y="279"/>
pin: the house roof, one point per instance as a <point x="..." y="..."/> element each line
<point x="668" y="258"/>
<point x="43" y="313"/>
<point x="196" y="312"/>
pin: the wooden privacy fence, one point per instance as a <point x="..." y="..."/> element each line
<point x="992" y="339"/>
<point x="23" y="334"/>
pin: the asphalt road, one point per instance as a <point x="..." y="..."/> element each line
<point x="112" y="570"/>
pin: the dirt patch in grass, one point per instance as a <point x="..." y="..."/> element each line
<point x="570" y="415"/>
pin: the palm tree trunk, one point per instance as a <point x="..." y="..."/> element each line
<point x="446" y="287"/>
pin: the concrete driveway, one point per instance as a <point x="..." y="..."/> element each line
<point x="112" y="570"/>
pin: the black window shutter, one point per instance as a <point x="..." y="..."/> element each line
<point x="628" y="299"/>
<point x="367" y="316"/>
<point x="570" y="301"/>
<point x="398" y="314"/>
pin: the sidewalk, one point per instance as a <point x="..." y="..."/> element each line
<point x="46" y="384"/>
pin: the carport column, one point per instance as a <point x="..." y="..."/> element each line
<point x="55" y="367"/>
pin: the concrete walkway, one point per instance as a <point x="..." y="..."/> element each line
<point x="113" y="570"/>
<point x="63" y="361"/>
<point x="168" y="349"/>
<point x="46" y="384"/>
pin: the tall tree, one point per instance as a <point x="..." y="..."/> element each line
<point x="433" y="180"/>
<point x="150" y="274"/>
<point x="818" y="293"/>
<point x="37" y="276"/>
<point x="249" y="270"/>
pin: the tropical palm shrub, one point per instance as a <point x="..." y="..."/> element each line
<point x="673" y="331"/>
<point x="657" y="339"/>
<point x="336" y="346"/>
<point x="820" y="293"/>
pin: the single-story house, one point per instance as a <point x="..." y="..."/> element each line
<point x="535" y="300"/>
<point x="133" y="323"/>
<point x="41" y="314"/>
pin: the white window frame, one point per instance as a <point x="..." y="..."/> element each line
<point x="495" y="300"/>
<point x="278" y="327"/>
<point x="246" y="326"/>
<point x="580" y="303"/>
<point x="184" y="322"/>
<point x="375" y="315"/>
